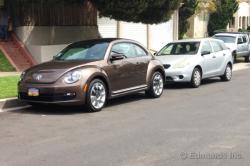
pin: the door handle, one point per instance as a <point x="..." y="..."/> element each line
<point x="224" y="54"/>
<point x="214" y="56"/>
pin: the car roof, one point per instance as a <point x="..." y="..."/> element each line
<point x="193" y="40"/>
<point x="101" y="40"/>
<point x="229" y="34"/>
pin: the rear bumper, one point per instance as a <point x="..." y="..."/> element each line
<point x="53" y="94"/>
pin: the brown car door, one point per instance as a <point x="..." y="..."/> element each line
<point x="127" y="73"/>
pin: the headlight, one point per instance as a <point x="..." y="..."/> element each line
<point x="181" y="64"/>
<point x="22" y="76"/>
<point x="72" y="77"/>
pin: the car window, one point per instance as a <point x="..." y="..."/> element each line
<point x="240" y="40"/>
<point x="206" y="47"/>
<point x="244" y="39"/>
<point x="180" y="48"/>
<point x="83" y="51"/>
<point x="130" y="50"/>
<point x="216" y="46"/>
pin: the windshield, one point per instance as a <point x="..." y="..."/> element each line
<point x="84" y="51"/>
<point x="182" y="48"/>
<point x="226" y="39"/>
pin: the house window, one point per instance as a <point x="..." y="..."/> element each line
<point x="240" y="22"/>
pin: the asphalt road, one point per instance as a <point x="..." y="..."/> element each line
<point x="208" y="126"/>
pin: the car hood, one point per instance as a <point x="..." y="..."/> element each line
<point x="173" y="59"/>
<point x="50" y="72"/>
<point x="231" y="46"/>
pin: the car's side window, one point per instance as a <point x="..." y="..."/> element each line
<point x="128" y="49"/>
<point x="216" y="46"/>
<point x="240" y="40"/>
<point x="139" y="51"/>
<point x="244" y="39"/>
<point x="206" y="47"/>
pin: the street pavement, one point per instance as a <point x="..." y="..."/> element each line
<point x="208" y="126"/>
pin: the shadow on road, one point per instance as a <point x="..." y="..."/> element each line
<point x="178" y="86"/>
<point x="71" y="110"/>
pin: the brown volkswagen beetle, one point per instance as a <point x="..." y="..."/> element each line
<point x="90" y="72"/>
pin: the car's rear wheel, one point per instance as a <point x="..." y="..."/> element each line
<point x="227" y="74"/>
<point x="247" y="58"/>
<point x="96" y="95"/>
<point x="156" y="85"/>
<point x="196" y="78"/>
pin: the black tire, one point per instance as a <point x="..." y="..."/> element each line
<point x="247" y="59"/>
<point x="156" y="86"/>
<point x="227" y="76"/>
<point x="196" y="78"/>
<point x="93" y="87"/>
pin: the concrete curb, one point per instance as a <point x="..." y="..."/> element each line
<point x="12" y="104"/>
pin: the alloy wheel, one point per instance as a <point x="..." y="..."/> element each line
<point x="158" y="84"/>
<point x="97" y="95"/>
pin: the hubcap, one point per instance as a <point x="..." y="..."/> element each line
<point x="197" y="78"/>
<point x="158" y="84"/>
<point x="228" y="73"/>
<point x="98" y="95"/>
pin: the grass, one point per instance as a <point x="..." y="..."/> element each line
<point x="5" y="65"/>
<point x="8" y="86"/>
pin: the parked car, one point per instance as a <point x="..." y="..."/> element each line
<point x="197" y="59"/>
<point x="90" y="72"/>
<point x="238" y="43"/>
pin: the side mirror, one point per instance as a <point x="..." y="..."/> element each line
<point x="205" y="53"/>
<point x="116" y="57"/>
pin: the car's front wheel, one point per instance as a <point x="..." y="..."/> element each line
<point x="96" y="95"/>
<point x="156" y="86"/>
<point x="196" y="78"/>
<point x="227" y="74"/>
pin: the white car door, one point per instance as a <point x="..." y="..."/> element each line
<point x="208" y="59"/>
<point x="240" y="46"/>
<point x="219" y="56"/>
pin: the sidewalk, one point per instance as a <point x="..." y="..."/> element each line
<point x="4" y="74"/>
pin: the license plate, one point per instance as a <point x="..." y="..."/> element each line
<point x="33" y="92"/>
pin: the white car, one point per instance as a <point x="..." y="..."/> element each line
<point x="238" y="43"/>
<point x="194" y="60"/>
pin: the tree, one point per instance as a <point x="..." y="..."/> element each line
<point x="145" y="11"/>
<point x="191" y="7"/>
<point x="185" y="12"/>
<point x="221" y="18"/>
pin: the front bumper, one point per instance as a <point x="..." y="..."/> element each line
<point x="178" y="75"/>
<point x="53" y="94"/>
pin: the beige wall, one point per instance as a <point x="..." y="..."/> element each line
<point x="44" y="42"/>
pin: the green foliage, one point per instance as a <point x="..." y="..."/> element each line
<point x="5" y="66"/>
<point x="221" y="18"/>
<point x="185" y="12"/>
<point x="145" y="11"/>
<point x="8" y="86"/>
